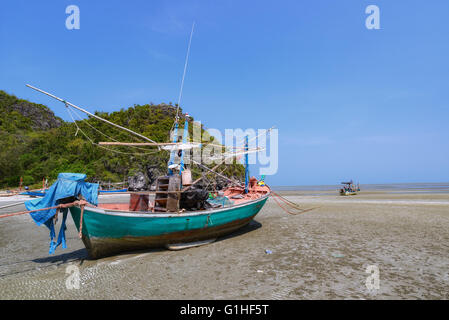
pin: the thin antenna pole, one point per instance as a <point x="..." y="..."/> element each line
<point x="185" y="69"/>
<point x="246" y="165"/>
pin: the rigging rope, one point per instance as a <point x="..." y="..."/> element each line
<point x="104" y="134"/>
<point x="108" y="149"/>
<point x="290" y="204"/>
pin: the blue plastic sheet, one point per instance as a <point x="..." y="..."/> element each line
<point x="67" y="185"/>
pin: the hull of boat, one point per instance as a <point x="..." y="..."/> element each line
<point x="348" y="193"/>
<point x="106" y="232"/>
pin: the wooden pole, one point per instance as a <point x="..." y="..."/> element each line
<point x="91" y="114"/>
<point x="107" y="143"/>
<point x="199" y="179"/>
<point x="218" y="174"/>
<point x="246" y="165"/>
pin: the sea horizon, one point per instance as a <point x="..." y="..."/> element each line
<point x="405" y="186"/>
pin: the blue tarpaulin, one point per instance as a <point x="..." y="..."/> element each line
<point x="67" y="185"/>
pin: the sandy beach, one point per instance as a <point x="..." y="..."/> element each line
<point x="320" y="254"/>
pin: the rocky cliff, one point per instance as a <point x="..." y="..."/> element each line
<point x="17" y="114"/>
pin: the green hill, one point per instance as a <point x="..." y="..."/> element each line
<point x="19" y="116"/>
<point x="36" y="144"/>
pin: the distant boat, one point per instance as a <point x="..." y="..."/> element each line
<point x="114" y="190"/>
<point x="349" y="188"/>
<point x="36" y="193"/>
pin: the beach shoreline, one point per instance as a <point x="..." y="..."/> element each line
<point x="321" y="254"/>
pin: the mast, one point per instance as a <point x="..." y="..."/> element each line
<point x="184" y="141"/>
<point x="172" y="153"/>
<point x="246" y="165"/>
<point x="175" y="130"/>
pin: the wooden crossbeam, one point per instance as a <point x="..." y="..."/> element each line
<point x="137" y="143"/>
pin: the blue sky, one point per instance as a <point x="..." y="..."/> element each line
<point x="371" y="105"/>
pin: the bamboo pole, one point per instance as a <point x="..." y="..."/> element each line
<point x="211" y="170"/>
<point x="91" y="114"/>
<point x="218" y="174"/>
<point x="199" y="179"/>
<point x="107" y="143"/>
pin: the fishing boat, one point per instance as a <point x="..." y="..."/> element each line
<point x="111" y="187"/>
<point x="349" y="188"/>
<point x="112" y="228"/>
<point x="171" y="218"/>
<point x="179" y="213"/>
<point x="113" y="191"/>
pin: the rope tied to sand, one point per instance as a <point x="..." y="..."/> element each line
<point x="289" y="204"/>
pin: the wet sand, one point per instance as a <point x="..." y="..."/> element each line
<point x="320" y="254"/>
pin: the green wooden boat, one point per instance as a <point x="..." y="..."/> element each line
<point x="112" y="228"/>
<point x="109" y="231"/>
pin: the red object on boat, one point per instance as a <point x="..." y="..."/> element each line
<point x="138" y="202"/>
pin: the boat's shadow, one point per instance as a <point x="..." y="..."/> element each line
<point x="251" y="226"/>
<point x="74" y="256"/>
<point x="81" y="255"/>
